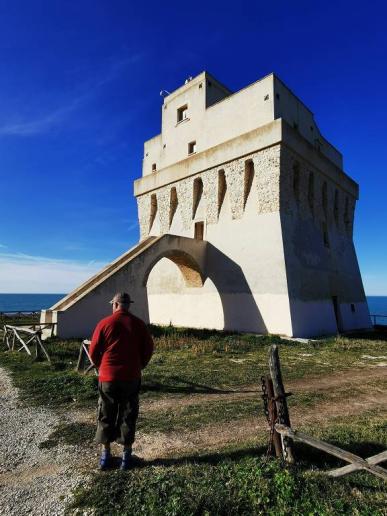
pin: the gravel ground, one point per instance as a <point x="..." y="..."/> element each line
<point x="33" y="480"/>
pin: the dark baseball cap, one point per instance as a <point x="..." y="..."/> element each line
<point x="121" y="297"/>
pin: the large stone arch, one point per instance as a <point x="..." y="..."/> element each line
<point x="189" y="268"/>
<point x="77" y="314"/>
<point x="215" y="284"/>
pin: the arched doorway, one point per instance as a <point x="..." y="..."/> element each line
<point x="179" y="295"/>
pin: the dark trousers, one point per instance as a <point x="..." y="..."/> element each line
<point x="117" y="412"/>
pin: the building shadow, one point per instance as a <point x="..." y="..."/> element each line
<point x="379" y="333"/>
<point x="183" y="386"/>
<point x="240" y="309"/>
<point x="194" y="257"/>
<point x="209" y="458"/>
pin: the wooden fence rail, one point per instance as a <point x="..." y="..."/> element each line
<point x="27" y="337"/>
<point x="356" y="463"/>
<point x="85" y="363"/>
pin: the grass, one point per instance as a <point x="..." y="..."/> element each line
<point x="225" y="369"/>
<point x="18" y="319"/>
<point x="56" y="384"/>
<point x="229" y="484"/>
<point x="75" y="434"/>
<point x="181" y="419"/>
<point x="188" y="362"/>
<point x="240" y="481"/>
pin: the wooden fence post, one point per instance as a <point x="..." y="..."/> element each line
<point x="272" y="409"/>
<point x="280" y="401"/>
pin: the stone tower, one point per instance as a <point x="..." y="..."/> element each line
<point x="246" y="222"/>
<point x="251" y="174"/>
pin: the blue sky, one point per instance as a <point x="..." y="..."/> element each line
<point x="79" y="94"/>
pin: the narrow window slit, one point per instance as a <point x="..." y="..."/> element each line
<point x="173" y="203"/>
<point x="197" y="195"/>
<point x="248" y="182"/>
<point x="222" y="188"/>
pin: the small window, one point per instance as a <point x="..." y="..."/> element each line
<point x="153" y="167"/>
<point x="191" y="147"/>
<point x="182" y="113"/>
<point x="200" y="86"/>
<point x="199" y="230"/>
<point x="266" y="97"/>
<point x="209" y="83"/>
<point x="353" y="308"/>
<point x="277" y="96"/>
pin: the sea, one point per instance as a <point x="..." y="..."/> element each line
<point x="378" y="307"/>
<point x="36" y="302"/>
<point x="27" y="302"/>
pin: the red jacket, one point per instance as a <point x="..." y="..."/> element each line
<point x="121" y="346"/>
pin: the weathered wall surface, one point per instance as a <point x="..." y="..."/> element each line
<point x="291" y="237"/>
<point x="317" y="226"/>
<point x="264" y="193"/>
<point x="247" y="288"/>
<point x="288" y="107"/>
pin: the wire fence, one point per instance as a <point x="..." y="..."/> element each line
<point x="379" y="320"/>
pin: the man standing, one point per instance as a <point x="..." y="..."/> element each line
<point x="120" y="348"/>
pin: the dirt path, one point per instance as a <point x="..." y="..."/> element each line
<point x="339" y="380"/>
<point x="157" y="445"/>
<point x="213" y="437"/>
<point x="32" y="480"/>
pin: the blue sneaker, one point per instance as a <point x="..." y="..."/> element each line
<point x="127" y="460"/>
<point x="105" y="460"/>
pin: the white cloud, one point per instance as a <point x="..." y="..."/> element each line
<point x="3" y="246"/>
<point x="39" y="125"/>
<point x="22" y="273"/>
<point x="46" y="121"/>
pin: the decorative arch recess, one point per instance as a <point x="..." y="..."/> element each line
<point x="197" y="195"/>
<point x="222" y="189"/>
<point x="188" y="267"/>
<point x="248" y="180"/>
<point x="153" y="211"/>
